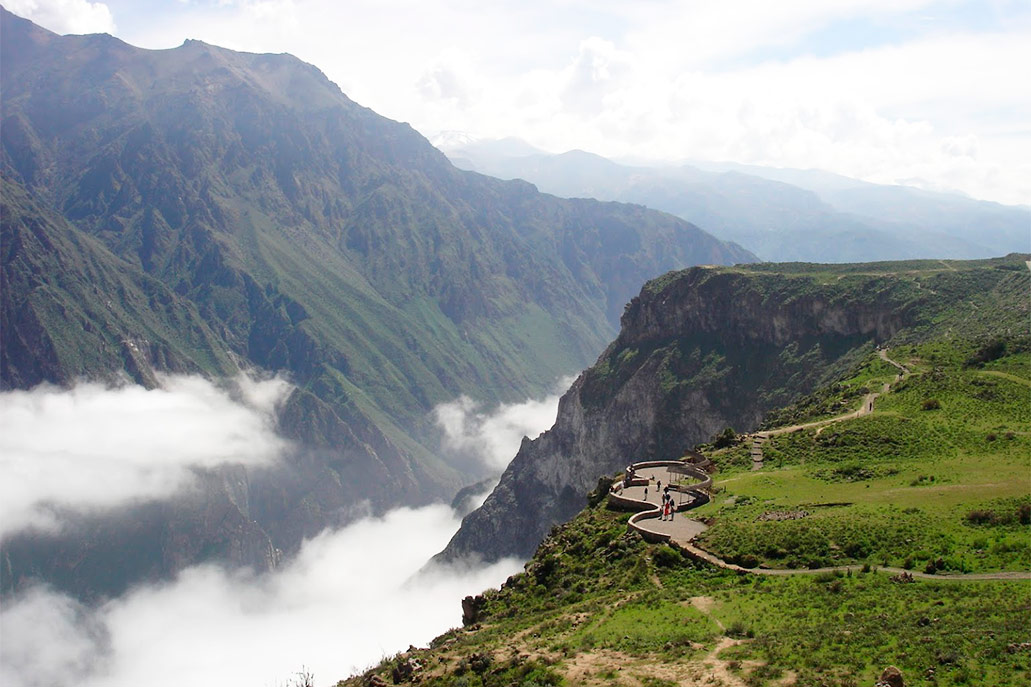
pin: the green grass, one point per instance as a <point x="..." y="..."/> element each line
<point x="829" y="627"/>
<point x="592" y="588"/>
<point x="908" y="477"/>
<point x="647" y="625"/>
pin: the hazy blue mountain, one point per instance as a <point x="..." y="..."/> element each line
<point x="780" y="214"/>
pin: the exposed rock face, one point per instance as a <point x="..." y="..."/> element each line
<point x="701" y="350"/>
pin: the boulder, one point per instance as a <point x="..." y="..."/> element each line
<point x="891" y="677"/>
<point x="471" y="607"/>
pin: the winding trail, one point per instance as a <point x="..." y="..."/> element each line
<point x="865" y="408"/>
<point x="643" y="493"/>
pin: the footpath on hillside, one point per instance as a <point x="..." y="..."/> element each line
<point x="644" y="494"/>
<point x="865" y="408"/>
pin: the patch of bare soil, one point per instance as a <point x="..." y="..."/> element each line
<point x="607" y="668"/>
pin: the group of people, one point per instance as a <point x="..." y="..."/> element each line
<point x="667" y="505"/>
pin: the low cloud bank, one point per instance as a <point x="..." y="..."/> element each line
<point x="100" y="447"/>
<point x="493" y="437"/>
<point x="349" y="598"/>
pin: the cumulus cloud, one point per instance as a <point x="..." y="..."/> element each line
<point x="593" y="74"/>
<point x="348" y="599"/>
<point x="65" y="16"/>
<point x="93" y="446"/>
<point x="493" y="436"/>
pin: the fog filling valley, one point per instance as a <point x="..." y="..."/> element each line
<point x="494" y="436"/>
<point x="350" y="597"/>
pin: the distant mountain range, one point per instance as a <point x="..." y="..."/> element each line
<point x="781" y="214"/>
<point x="200" y="210"/>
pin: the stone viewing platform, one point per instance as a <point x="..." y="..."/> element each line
<point x="688" y="487"/>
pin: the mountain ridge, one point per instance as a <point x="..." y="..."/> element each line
<point x="783" y="215"/>
<point x="302" y="234"/>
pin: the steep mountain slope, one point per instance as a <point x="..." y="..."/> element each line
<point x="705" y="349"/>
<point x="56" y="285"/>
<point x="250" y="215"/>
<point x="782" y="215"/>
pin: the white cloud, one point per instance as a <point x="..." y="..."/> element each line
<point x="65" y="16"/>
<point x="494" y="436"/>
<point x="99" y="447"/>
<point x="350" y="598"/>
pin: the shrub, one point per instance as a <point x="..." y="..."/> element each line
<point x="931" y="404"/>
<point x="736" y="629"/>
<point x="479" y="663"/>
<point x="980" y="517"/>
<point x="600" y="491"/>
<point x="993" y="350"/>
<point x="725" y="439"/>
<point x="667" y="557"/>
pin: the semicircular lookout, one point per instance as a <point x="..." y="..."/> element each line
<point x="641" y="490"/>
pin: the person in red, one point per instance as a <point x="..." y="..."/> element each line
<point x="665" y="510"/>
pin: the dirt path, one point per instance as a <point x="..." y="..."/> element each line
<point x="717" y="669"/>
<point x="865" y="408"/>
<point x="1007" y="375"/>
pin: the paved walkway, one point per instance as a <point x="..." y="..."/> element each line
<point x="680" y="528"/>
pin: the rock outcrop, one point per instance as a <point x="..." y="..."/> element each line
<point x="891" y="677"/>
<point x="704" y="349"/>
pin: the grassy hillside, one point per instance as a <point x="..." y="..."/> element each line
<point x="940" y="473"/>
<point x="708" y="348"/>
<point x="937" y="478"/>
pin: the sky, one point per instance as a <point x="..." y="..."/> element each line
<point x="931" y="93"/>
<point x="352" y="596"/>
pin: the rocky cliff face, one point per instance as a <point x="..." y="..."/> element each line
<point x="705" y="349"/>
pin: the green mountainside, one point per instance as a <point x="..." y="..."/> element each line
<point x="902" y="537"/>
<point x="709" y="348"/>
<point x="203" y="210"/>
